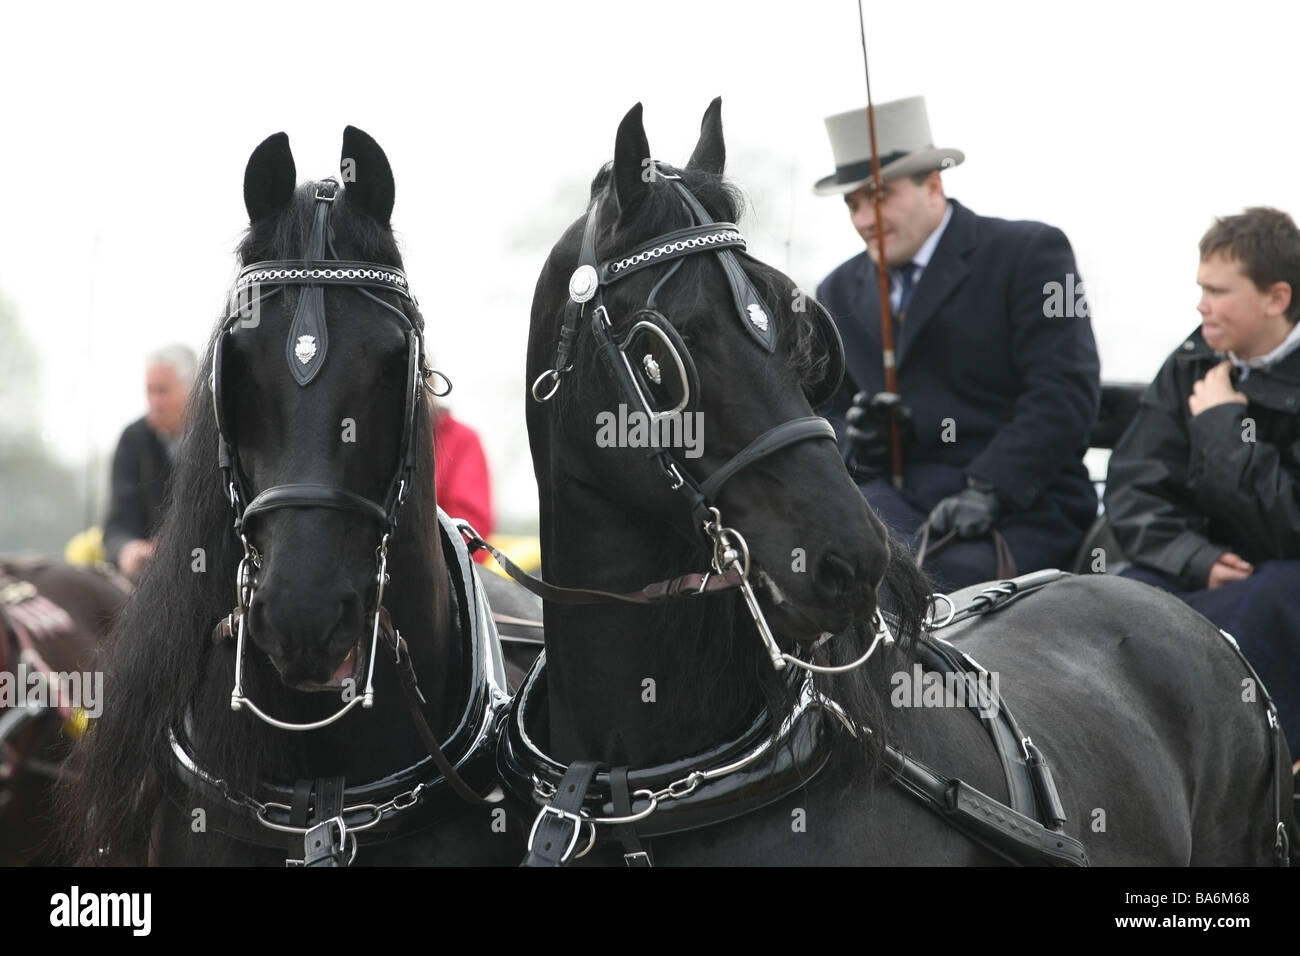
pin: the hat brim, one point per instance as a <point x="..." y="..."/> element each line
<point x="922" y="161"/>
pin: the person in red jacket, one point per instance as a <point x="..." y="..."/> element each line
<point x="461" y="476"/>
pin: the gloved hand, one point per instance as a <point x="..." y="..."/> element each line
<point x="971" y="512"/>
<point x="868" y="431"/>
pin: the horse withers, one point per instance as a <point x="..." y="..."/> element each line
<point x="345" y="707"/>
<point x="748" y="705"/>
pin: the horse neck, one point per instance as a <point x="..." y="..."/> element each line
<point x="631" y="684"/>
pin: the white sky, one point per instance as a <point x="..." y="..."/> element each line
<point x="125" y="128"/>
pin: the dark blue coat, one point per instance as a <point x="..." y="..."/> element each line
<point x="985" y="351"/>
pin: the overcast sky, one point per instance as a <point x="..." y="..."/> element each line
<point x="126" y="128"/>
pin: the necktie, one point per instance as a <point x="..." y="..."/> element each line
<point x="906" y="281"/>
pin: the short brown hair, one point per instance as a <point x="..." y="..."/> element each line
<point x="1267" y="244"/>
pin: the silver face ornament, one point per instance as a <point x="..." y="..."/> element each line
<point x="305" y="349"/>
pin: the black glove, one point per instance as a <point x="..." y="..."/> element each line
<point x="971" y="512"/>
<point x="868" y="431"/>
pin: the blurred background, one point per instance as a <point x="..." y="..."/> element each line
<point x="126" y="129"/>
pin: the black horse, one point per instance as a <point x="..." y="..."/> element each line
<point x="1159" y="742"/>
<point x="321" y="432"/>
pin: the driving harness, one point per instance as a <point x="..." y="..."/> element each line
<point x="752" y="771"/>
<point x="344" y="818"/>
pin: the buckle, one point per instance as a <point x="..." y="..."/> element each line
<point x="574" y="818"/>
<point x="326" y="197"/>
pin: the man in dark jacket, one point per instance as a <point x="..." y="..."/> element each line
<point x="997" y="367"/>
<point x="142" y="461"/>
<point x="1203" y="490"/>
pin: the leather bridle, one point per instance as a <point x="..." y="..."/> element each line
<point x="305" y="351"/>
<point x="729" y="551"/>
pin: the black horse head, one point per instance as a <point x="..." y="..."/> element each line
<point x="315" y="391"/>
<point x="734" y="350"/>
<point x="820" y="549"/>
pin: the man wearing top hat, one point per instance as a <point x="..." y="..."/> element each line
<point x="997" y="366"/>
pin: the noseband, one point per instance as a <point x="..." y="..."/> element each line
<point x="729" y="551"/>
<point x="305" y="350"/>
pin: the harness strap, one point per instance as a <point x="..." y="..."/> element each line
<point x="559" y="824"/>
<point x="313" y="496"/>
<point x="1281" y="840"/>
<point x="998" y="828"/>
<point x="682" y="586"/>
<point x="414" y="700"/>
<point x="749" y="306"/>
<point x="325" y="842"/>
<point x="772" y="440"/>
<point x="634" y="854"/>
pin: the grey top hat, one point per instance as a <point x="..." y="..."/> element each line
<point x="906" y="147"/>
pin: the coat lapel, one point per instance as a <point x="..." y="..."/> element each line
<point x="860" y="330"/>
<point x="946" y="271"/>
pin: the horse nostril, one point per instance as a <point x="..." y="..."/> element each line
<point x="835" y="575"/>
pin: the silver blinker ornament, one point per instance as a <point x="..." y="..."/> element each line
<point x="757" y="316"/>
<point x="305" y="349"/>
<point x="652" y="369"/>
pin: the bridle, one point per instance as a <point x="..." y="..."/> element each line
<point x="305" y="351"/>
<point x="662" y="382"/>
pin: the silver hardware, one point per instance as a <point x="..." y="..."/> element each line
<point x="809" y="696"/>
<point x="670" y="349"/>
<point x="554" y="375"/>
<point x="366" y="699"/>
<point x="882" y="634"/>
<point x="428" y="374"/>
<point x="652" y="369"/>
<point x="583" y="283"/>
<point x="757" y="316"/>
<point x="681" y="245"/>
<point x="563" y="815"/>
<point x="305" y="350"/>
<point x="929" y="623"/>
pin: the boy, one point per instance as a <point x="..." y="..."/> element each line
<point x="1204" y="487"/>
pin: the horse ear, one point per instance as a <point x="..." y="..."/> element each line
<point x="710" y="152"/>
<point x="631" y="160"/>
<point x="366" y="175"/>
<point x="269" y="177"/>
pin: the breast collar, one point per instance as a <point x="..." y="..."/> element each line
<point x="760" y="766"/>
<point x="412" y="797"/>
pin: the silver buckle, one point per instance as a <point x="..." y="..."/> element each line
<point x="563" y="815"/>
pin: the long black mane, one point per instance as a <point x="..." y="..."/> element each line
<point x="160" y="660"/>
